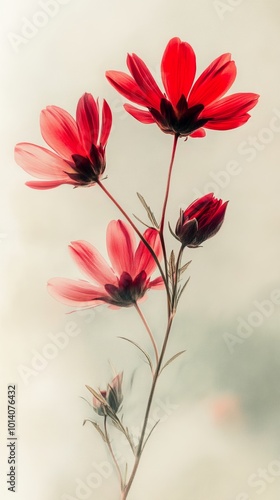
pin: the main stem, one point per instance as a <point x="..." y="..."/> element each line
<point x="171" y="314"/>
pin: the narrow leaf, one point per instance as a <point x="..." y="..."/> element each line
<point x="172" y="359"/>
<point x="148" y="210"/>
<point x="184" y="267"/>
<point x="181" y="291"/>
<point x="152" y="429"/>
<point x="142" y="350"/>
<point x="97" y="427"/>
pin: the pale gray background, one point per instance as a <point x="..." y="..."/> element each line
<point x="224" y="425"/>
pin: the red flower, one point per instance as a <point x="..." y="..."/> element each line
<point x="121" y="285"/>
<point x="200" y="221"/>
<point x="185" y="107"/>
<point x="79" y="146"/>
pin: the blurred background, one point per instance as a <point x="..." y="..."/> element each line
<point x="219" y="403"/>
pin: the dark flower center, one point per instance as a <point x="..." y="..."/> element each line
<point x="88" y="169"/>
<point x="128" y="290"/>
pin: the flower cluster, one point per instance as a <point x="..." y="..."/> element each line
<point x="184" y="108"/>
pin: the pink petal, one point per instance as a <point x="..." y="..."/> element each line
<point x="87" y="117"/>
<point x="92" y="263"/>
<point x="142" y="116"/>
<point x="127" y="87"/>
<point x="106" y="123"/>
<point x="76" y="293"/>
<point x="145" y="80"/>
<point x="178" y="69"/>
<point x="157" y="284"/>
<point x="121" y="246"/>
<point x="144" y="260"/>
<point x="214" y="82"/>
<point x="47" y="184"/>
<point x="60" y="132"/>
<point x="41" y="163"/>
<point x="231" y="106"/>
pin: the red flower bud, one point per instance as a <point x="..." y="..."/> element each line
<point x="200" y="221"/>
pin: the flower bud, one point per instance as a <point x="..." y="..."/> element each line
<point x="200" y="221"/>
<point x="109" y="401"/>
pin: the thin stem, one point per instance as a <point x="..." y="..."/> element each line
<point x="149" y="404"/>
<point x="148" y="330"/>
<point x="112" y="453"/>
<point x="137" y="232"/>
<point x="176" y="137"/>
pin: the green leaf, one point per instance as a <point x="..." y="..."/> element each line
<point x="146" y="440"/>
<point x="184" y="267"/>
<point x="172" y="359"/>
<point x="140" y="349"/>
<point x="97" y="427"/>
<point x="148" y="210"/>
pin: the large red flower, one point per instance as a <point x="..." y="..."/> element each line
<point x="185" y="107"/>
<point x="79" y="146"/>
<point x="121" y="285"/>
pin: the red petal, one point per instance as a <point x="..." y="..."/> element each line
<point x="121" y="246"/>
<point x="87" y="117"/>
<point x="231" y="106"/>
<point x="76" y="293"/>
<point x="145" y="80"/>
<point x="200" y="132"/>
<point x="92" y="263"/>
<point x="127" y="87"/>
<point x="144" y="260"/>
<point x="178" y="69"/>
<point x="60" y="132"/>
<point x="139" y="114"/>
<point x="106" y="123"/>
<point x="227" y="123"/>
<point x="41" y="163"/>
<point x="214" y="82"/>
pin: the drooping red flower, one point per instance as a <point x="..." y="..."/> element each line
<point x="200" y="221"/>
<point x="79" y="145"/>
<point x="185" y="107"/>
<point x="121" y="285"/>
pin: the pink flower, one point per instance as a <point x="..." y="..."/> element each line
<point x="79" y="157"/>
<point x="200" y="221"/>
<point x="121" y="285"/>
<point x="186" y="106"/>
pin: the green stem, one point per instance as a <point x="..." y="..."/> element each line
<point x="112" y="453"/>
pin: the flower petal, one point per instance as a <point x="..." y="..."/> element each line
<point x="41" y="163"/>
<point x="92" y="263"/>
<point x="139" y="114"/>
<point x="157" y="284"/>
<point x="106" y="123"/>
<point x="60" y="132"/>
<point x="87" y="117"/>
<point x="76" y="293"/>
<point x="231" y="107"/>
<point x="144" y="260"/>
<point x="127" y="87"/>
<point x="145" y="80"/>
<point x="200" y="132"/>
<point x="228" y="123"/>
<point x="47" y="184"/>
<point x="214" y="82"/>
<point x="121" y="246"/>
<point x="178" y="69"/>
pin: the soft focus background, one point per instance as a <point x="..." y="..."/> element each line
<point x="219" y="403"/>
